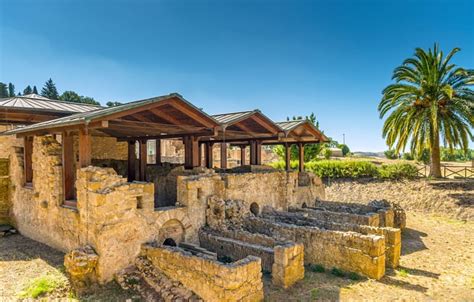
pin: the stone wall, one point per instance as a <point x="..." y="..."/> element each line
<point x="208" y="278"/>
<point x="392" y="236"/>
<point x="4" y="191"/>
<point x="364" y="254"/>
<point x="285" y="260"/>
<point x="372" y="219"/>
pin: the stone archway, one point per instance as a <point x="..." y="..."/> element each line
<point x="171" y="232"/>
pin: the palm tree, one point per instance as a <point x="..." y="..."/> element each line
<point x="430" y="98"/>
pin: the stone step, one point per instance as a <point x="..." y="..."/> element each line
<point x="153" y="285"/>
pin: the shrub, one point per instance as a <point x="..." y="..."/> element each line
<point x="408" y="156"/>
<point x="317" y="268"/>
<point x="280" y="165"/>
<point x="398" y="171"/>
<point x="391" y="154"/>
<point x="354" y="276"/>
<point x="337" y="272"/>
<point x="345" y="149"/>
<point x="342" y="169"/>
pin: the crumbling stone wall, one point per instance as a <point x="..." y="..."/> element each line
<point x="4" y="191"/>
<point x="392" y="236"/>
<point x="285" y="260"/>
<point x="372" y="219"/>
<point x="355" y="252"/>
<point x="208" y="278"/>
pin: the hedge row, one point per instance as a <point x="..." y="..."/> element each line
<point x="354" y="169"/>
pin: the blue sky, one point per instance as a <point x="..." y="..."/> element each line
<point x="286" y="58"/>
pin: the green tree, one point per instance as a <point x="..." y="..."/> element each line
<point x="344" y="148"/>
<point x="113" y="104"/>
<point x="49" y="90"/>
<point x="430" y="98"/>
<point x="391" y="154"/>
<point x="70" y="96"/>
<point x="27" y="90"/>
<point x="11" y="90"/>
<point x="35" y="91"/>
<point x="3" y="90"/>
<point x="89" y="100"/>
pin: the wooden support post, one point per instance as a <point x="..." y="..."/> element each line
<point x="28" y="159"/>
<point x="132" y="157"/>
<point x="142" y="165"/>
<point x="242" y="155"/>
<point x="301" y="156"/>
<point x="191" y="152"/>
<point x="158" y="152"/>
<point x="69" y="173"/>
<point x="223" y="155"/>
<point x="258" y="146"/>
<point x="84" y="148"/>
<point x="253" y="153"/>
<point x="209" y="155"/>
<point x="200" y="154"/>
<point x="288" y="157"/>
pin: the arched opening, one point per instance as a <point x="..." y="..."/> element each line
<point x="169" y="242"/>
<point x="254" y="208"/>
<point x="304" y="205"/>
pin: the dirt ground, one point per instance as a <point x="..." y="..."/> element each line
<point x="437" y="264"/>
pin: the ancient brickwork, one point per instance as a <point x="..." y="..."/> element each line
<point x="372" y="219"/>
<point x="364" y="254"/>
<point x="392" y="236"/>
<point x="4" y="191"/>
<point x="208" y="278"/>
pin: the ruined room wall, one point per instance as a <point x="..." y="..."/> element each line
<point x="364" y="254"/>
<point x="372" y="219"/>
<point x="37" y="211"/>
<point x="210" y="279"/>
<point x="392" y="236"/>
<point x="4" y="191"/>
<point x="278" y="190"/>
<point x="285" y="260"/>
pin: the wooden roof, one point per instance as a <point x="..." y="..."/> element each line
<point x="33" y="108"/>
<point x="165" y="116"/>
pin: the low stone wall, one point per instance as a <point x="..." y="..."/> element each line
<point x="385" y="211"/>
<point x="355" y="252"/>
<point x="392" y="236"/>
<point x="210" y="279"/>
<point x="372" y="219"/>
<point x="285" y="260"/>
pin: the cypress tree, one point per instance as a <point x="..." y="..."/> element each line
<point x="11" y="90"/>
<point x="49" y="90"/>
<point x="27" y="90"/>
<point x="3" y="90"/>
<point x="35" y="91"/>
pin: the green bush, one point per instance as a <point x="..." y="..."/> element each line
<point x="408" y="156"/>
<point x="398" y="171"/>
<point x="280" y="165"/>
<point x="391" y="154"/>
<point x="317" y="268"/>
<point x="337" y="272"/>
<point x="342" y="169"/>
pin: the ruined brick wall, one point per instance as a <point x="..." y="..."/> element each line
<point x="208" y="278"/>
<point x="4" y="190"/>
<point x="278" y="190"/>
<point x="364" y="254"/>
<point x="372" y="219"/>
<point x="392" y="236"/>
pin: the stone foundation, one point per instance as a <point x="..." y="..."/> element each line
<point x="208" y="278"/>
<point x="372" y="219"/>
<point x="392" y="236"/>
<point x="285" y="260"/>
<point x="350" y="251"/>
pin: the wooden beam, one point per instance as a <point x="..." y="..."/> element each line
<point x="193" y="113"/>
<point x="259" y="152"/>
<point x="301" y="156"/>
<point x="69" y="173"/>
<point x="131" y="161"/>
<point x="191" y="152"/>
<point x="253" y="152"/>
<point x="208" y="154"/>
<point x="287" y="157"/>
<point x="28" y="159"/>
<point x="158" y="152"/>
<point x="165" y="136"/>
<point x="223" y="155"/>
<point x="142" y="159"/>
<point x="84" y="148"/>
<point x="61" y="129"/>
<point x="242" y="155"/>
<point x="262" y="121"/>
<point x="170" y="119"/>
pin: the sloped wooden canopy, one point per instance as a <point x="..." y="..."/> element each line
<point x="160" y="117"/>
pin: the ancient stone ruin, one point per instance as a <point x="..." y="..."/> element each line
<point x="189" y="231"/>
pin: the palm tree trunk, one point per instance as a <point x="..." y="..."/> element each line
<point x="435" y="170"/>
